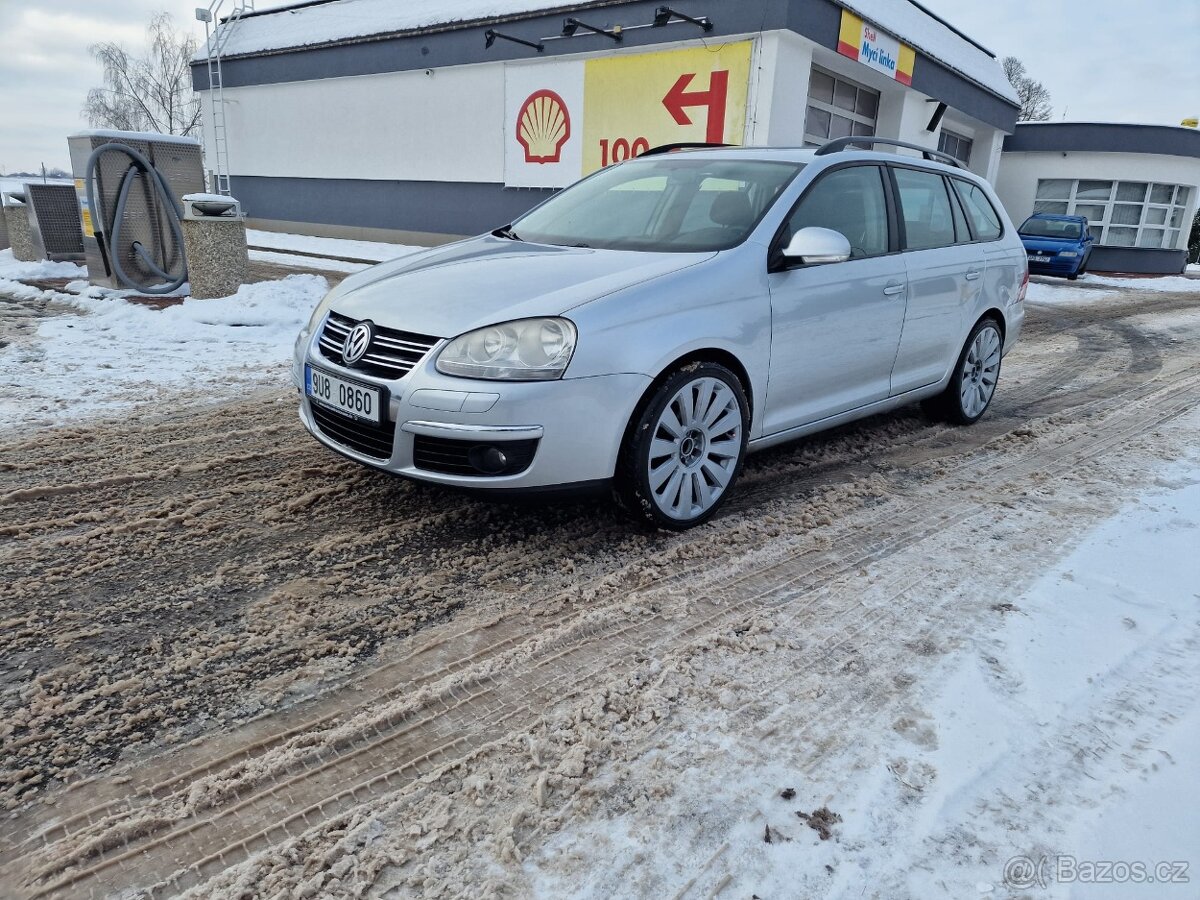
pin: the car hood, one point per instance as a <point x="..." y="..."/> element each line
<point x="449" y="290"/>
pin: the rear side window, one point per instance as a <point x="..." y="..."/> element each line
<point x="850" y="201"/>
<point x="983" y="215"/>
<point x="925" y="207"/>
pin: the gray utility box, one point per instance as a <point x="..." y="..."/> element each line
<point x="177" y="158"/>
<point x="54" y="225"/>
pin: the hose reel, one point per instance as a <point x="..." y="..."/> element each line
<point x="110" y="225"/>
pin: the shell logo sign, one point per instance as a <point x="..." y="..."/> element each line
<point x="543" y="126"/>
<point x="564" y="120"/>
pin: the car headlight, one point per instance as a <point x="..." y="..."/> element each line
<point x="524" y="350"/>
<point x="1068" y="253"/>
<point x="319" y="313"/>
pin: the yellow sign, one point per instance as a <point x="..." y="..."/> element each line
<point x="864" y="42"/>
<point x="634" y="102"/>
<point x="1190" y="123"/>
<point x="85" y="213"/>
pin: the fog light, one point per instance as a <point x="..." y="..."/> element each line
<point x="489" y="460"/>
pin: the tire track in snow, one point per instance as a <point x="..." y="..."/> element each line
<point x="472" y="715"/>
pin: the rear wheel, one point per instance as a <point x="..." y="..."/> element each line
<point x="685" y="450"/>
<point x="973" y="383"/>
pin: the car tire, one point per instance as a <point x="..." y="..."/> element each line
<point x="1073" y="276"/>
<point x="976" y="374"/>
<point x="685" y="448"/>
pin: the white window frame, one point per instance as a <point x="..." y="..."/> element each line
<point x="1101" y="227"/>
<point x="812" y="139"/>
<point x="960" y="140"/>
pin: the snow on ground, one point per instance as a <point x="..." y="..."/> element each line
<point x="296" y="261"/>
<point x="1065" y="735"/>
<point x="329" y="248"/>
<point x="87" y="351"/>
<point x="1091" y="288"/>
<point x="1161" y="283"/>
<point x="1046" y="292"/>
<point x="11" y="270"/>
<point x="101" y="354"/>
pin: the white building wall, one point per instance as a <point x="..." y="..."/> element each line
<point x="1020" y="172"/>
<point x="783" y="90"/>
<point x="447" y="124"/>
<point x="425" y="125"/>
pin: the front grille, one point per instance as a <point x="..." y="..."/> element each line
<point x="391" y="353"/>
<point x="370" y="440"/>
<point x="454" y="457"/>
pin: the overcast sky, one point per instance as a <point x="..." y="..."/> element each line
<point x="1103" y="60"/>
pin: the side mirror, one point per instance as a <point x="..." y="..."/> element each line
<point x="814" y="246"/>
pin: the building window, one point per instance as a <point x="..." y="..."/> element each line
<point x="956" y="145"/>
<point x="1121" y="213"/>
<point x="838" y="108"/>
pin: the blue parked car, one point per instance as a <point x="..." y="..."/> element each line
<point x="1057" y="245"/>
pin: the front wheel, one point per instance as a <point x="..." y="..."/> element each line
<point x="973" y="383"/>
<point x="685" y="450"/>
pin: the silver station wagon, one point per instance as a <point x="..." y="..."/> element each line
<point x="652" y="324"/>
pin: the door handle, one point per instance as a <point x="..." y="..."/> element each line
<point x="893" y="289"/>
<point x="972" y="274"/>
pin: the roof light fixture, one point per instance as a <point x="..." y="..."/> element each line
<point x="489" y="38"/>
<point x="664" y="14"/>
<point x="570" y="26"/>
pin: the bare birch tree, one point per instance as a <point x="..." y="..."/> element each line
<point x="146" y="93"/>
<point x="1035" y="99"/>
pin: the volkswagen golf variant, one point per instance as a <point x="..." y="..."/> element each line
<point x="649" y="326"/>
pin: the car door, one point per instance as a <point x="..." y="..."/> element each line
<point x="945" y="274"/>
<point x="1003" y="261"/>
<point x="835" y="326"/>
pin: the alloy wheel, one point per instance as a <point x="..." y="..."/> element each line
<point x="981" y="368"/>
<point x="695" y="450"/>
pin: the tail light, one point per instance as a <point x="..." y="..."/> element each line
<point x="1024" y="285"/>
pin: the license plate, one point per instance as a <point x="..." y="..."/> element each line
<point x="357" y="400"/>
<point x="1037" y="258"/>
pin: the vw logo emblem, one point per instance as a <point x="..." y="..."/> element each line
<point x="357" y="342"/>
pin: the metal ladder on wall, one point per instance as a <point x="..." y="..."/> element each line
<point x="215" y="40"/>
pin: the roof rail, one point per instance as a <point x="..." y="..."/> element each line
<point x="686" y="145"/>
<point x="839" y="144"/>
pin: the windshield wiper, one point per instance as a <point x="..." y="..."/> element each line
<point x="508" y="233"/>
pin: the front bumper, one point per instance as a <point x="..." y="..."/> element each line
<point x="1056" y="266"/>
<point x="578" y="423"/>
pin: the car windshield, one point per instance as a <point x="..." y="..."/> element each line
<point x="1051" y="228"/>
<point x="681" y="204"/>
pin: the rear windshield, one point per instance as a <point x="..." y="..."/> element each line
<point x="1051" y="228"/>
<point x="684" y="203"/>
